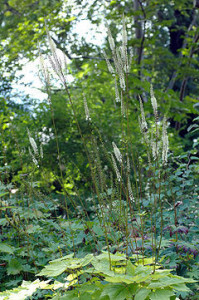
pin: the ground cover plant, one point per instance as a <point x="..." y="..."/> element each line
<point x="133" y="236"/>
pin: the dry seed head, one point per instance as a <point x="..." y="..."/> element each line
<point x="117" y="152"/>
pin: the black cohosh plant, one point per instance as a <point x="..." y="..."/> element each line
<point x="127" y="179"/>
<point x="127" y="196"/>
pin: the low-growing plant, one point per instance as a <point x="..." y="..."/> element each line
<point x="93" y="277"/>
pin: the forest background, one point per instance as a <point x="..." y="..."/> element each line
<point x="163" y="41"/>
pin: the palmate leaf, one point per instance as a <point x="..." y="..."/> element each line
<point x="117" y="279"/>
<point x="163" y="294"/>
<point x="14" y="267"/>
<point x="142" y="294"/>
<point x="6" y="248"/>
<point x="118" y="291"/>
<point x="25" y="290"/>
<point x="58" y="266"/>
<point x="54" y="269"/>
<point x="170" y="281"/>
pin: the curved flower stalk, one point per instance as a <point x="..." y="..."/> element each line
<point x="36" y="154"/>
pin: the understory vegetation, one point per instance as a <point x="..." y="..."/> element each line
<point x="99" y="184"/>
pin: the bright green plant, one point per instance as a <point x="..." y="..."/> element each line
<point x="96" y="277"/>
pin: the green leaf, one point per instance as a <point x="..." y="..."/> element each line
<point x="6" y="248"/>
<point x="119" y="278"/>
<point x="58" y="266"/>
<point x="142" y="294"/>
<point x="164" y="294"/>
<point x="54" y="269"/>
<point x="14" y="267"/>
<point x="3" y="194"/>
<point x="181" y="287"/>
<point x="71" y="295"/>
<point x="116" y="291"/>
<point x="130" y="269"/>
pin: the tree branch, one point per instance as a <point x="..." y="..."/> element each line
<point x="174" y="75"/>
<point x="11" y="9"/>
<point x="184" y="82"/>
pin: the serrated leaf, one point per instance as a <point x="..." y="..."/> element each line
<point x="54" y="269"/>
<point x="181" y="287"/>
<point x="6" y="248"/>
<point x="14" y="267"/>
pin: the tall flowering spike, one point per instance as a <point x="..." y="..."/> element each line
<point x="110" y="68"/>
<point x="55" y="60"/>
<point x="88" y="118"/>
<point x="116" y="168"/>
<point x="44" y="70"/>
<point x="123" y="56"/>
<point x="117" y="96"/>
<point x="35" y="161"/>
<point x="124" y="46"/>
<point x="130" y="192"/>
<point x="33" y="144"/>
<point x="117" y="152"/>
<point x="119" y="59"/>
<point x="165" y="142"/>
<point x="110" y="39"/>
<point x="154" y="102"/>
<point x="122" y="81"/>
<point x="122" y="106"/>
<point x="124" y="33"/>
<point x="142" y="121"/>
